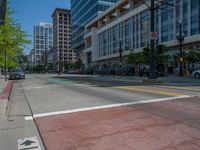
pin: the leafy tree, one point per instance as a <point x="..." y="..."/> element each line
<point x="137" y="58"/>
<point x="12" y="40"/>
<point x="78" y="64"/>
<point x="192" y="57"/>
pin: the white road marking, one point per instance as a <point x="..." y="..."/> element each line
<point x="30" y="143"/>
<point x="103" y="107"/>
<point x="40" y="87"/>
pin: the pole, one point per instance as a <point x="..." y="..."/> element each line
<point x="120" y="57"/>
<point x="181" y="49"/>
<point x="5" y="65"/>
<point x="152" y="74"/>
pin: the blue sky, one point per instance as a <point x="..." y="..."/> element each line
<point x="31" y="12"/>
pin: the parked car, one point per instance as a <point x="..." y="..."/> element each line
<point x="18" y="74"/>
<point x="196" y="74"/>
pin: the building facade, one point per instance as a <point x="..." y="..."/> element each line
<point x="126" y="26"/>
<point x="31" y="59"/>
<point x="62" y="51"/>
<point x="84" y="11"/>
<point x="43" y="42"/>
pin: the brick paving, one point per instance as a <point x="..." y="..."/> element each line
<point x="166" y="125"/>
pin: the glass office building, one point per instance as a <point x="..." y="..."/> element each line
<point x="43" y="41"/>
<point x="129" y="29"/>
<point x="82" y="12"/>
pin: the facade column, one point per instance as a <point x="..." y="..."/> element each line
<point x="99" y="24"/>
<point x="136" y="30"/>
<point x="132" y="33"/>
<point x="117" y="12"/>
<point x="131" y="5"/>
<point x="159" y="26"/>
<point x="189" y="17"/>
<point x="175" y="21"/>
<point x="139" y="31"/>
<point x="107" y="19"/>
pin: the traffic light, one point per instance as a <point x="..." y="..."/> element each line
<point x="146" y="51"/>
<point x="160" y="49"/>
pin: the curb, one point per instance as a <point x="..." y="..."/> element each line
<point x="5" y="97"/>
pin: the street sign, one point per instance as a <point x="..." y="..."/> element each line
<point x="2" y="11"/>
<point x="154" y="35"/>
<point x="29" y="144"/>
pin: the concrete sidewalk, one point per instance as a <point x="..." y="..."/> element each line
<point x="2" y="83"/>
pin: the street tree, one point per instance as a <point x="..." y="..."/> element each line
<point x="12" y="40"/>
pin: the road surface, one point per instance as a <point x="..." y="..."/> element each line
<point x="98" y="113"/>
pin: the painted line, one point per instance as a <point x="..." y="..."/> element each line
<point x="181" y="88"/>
<point x="103" y="107"/>
<point x="150" y="91"/>
<point x="40" y="87"/>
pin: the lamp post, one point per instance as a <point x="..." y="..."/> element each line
<point x="120" y="57"/>
<point x="5" y="65"/>
<point x="45" y="60"/>
<point x="152" y="74"/>
<point x="180" y="38"/>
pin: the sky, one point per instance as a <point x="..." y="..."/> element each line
<point x="31" y="12"/>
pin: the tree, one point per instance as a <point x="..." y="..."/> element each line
<point x="192" y="57"/>
<point x="12" y="40"/>
<point x="78" y="64"/>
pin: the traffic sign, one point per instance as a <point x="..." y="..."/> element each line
<point x="154" y="35"/>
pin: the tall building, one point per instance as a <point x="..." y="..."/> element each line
<point x="62" y="51"/>
<point x="84" y="11"/>
<point x="126" y="29"/>
<point x="31" y="59"/>
<point x="43" y="42"/>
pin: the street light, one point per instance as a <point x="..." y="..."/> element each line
<point x="180" y="38"/>
<point x="5" y="65"/>
<point x="120" y="56"/>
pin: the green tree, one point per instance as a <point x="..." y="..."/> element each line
<point x="192" y="57"/>
<point x="78" y="64"/>
<point x="12" y="40"/>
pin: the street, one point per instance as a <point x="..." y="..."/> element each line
<point x="94" y="112"/>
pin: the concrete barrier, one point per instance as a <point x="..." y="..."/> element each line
<point x="5" y="96"/>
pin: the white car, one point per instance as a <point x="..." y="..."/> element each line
<point x="196" y="74"/>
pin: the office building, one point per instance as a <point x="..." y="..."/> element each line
<point x="84" y="11"/>
<point x="31" y="59"/>
<point x="126" y="26"/>
<point x="62" y="51"/>
<point x="43" y="42"/>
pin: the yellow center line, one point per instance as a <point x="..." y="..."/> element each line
<point x="150" y="91"/>
<point x="180" y="88"/>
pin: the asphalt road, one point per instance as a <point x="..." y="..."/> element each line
<point x="46" y="98"/>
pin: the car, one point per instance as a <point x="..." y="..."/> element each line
<point x="196" y="74"/>
<point x="19" y="74"/>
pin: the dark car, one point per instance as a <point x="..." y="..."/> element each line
<point x="16" y="75"/>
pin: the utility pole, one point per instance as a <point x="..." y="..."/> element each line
<point x="45" y="59"/>
<point x="120" y="57"/>
<point x="152" y="74"/>
<point x="180" y="38"/>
